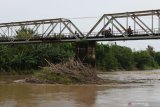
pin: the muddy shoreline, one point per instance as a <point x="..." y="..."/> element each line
<point x="107" y="78"/>
<point x="120" y="78"/>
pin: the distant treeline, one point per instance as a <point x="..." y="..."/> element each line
<point x="113" y="57"/>
<point x="21" y="58"/>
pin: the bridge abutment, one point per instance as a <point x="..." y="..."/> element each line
<point x="86" y="52"/>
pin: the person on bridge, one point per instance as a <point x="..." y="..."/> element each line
<point x="129" y="31"/>
<point x="109" y="32"/>
<point x="76" y="34"/>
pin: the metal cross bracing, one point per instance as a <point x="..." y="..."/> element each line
<point x="126" y="26"/>
<point x="49" y="30"/>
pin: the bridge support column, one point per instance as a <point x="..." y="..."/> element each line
<point x="85" y="52"/>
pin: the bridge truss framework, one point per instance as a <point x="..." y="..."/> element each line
<point x="49" y="30"/>
<point x="145" y="31"/>
<point x="145" y="25"/>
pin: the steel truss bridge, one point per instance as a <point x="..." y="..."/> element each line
<point x="144" y="25"/>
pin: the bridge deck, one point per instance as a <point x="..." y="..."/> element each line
<point x="73" y="39"/>
<point x="121" y="37"/>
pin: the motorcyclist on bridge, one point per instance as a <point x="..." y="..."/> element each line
<point x="107" y="33"/>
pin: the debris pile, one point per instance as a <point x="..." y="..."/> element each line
<point x="69" y="72"/>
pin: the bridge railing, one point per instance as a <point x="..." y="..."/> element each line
<point x="55" y="36"/>
<point x="137" y="32"/>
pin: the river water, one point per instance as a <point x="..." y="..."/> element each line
<point x="140" y="89"/>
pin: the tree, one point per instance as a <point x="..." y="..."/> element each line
<point x="105" y="58"/>
<point x="144" y="60"/>
<point x="157" y="58"/>
<point x="25" y="33"/>
<point x="124" y="56"/>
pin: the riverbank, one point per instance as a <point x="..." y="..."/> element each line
<point x="118" y="79"/>
<point x="126" y="77"/>
<point x="109" y="78"/>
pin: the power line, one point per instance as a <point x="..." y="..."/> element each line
<point x="94" y="17"/>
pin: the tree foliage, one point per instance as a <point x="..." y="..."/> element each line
<point x="25" y="57"/>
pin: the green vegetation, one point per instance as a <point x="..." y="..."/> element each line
<point x="21" y="58"/>
<point x="25" y="33"/>
<point x="26" y="58"/>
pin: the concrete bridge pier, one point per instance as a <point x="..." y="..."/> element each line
<point x="85" y="52"/>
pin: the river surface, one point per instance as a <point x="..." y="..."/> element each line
<point x="140" y="89"/>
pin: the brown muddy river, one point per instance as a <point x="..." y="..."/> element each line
<point x="142" y="90"/>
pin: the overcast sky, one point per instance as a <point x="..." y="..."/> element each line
<point x="22" y="10"/>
